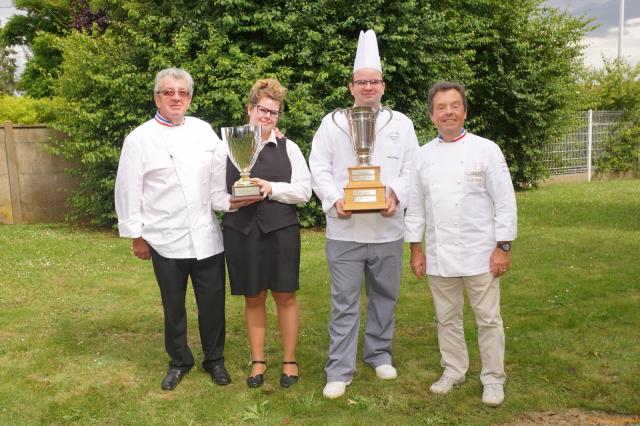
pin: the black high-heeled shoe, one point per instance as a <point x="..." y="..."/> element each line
<point x="287" y="381"/>
<point x="257" y="380"/>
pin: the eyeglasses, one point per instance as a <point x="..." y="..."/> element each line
<point x="266" y="111"/>
<point x="170" y="92"/>
<point x="373" y="83"/>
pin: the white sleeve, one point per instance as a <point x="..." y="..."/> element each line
<point x="219" y="195"/>
<point x="128" y="189"/>
<point x="415" y="215"/>
<point x="299" y="190"/>
<point x="400" y="185"/>
<point x="320" y="164"/>
<point x="501" y="190"/>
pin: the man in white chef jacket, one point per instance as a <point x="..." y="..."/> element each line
<point x="462" y="201"/>
<point x="363" y="245"/>
<point x="163" y="203"/>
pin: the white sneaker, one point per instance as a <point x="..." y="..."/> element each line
<point x="335" y="390"/>
<point x="386" y="372"/>
<point x="493" y="395"/>
<point x="445" y="384"/>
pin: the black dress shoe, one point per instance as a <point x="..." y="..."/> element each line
<point x="219" y="375"/>
<point x="173" y="377"/>
<point x="287" y="381"/>
<point x="257" y="380"/>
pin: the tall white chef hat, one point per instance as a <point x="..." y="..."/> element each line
<point x="367" y="55"/>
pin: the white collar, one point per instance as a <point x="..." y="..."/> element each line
<point x="271" y="138"/>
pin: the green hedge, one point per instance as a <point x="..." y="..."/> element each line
<point x="517" y="59"/>
<point x="616" y="87"/>
<point x="26" y="110"/>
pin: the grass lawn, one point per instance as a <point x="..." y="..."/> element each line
<point x="81" y="330"/>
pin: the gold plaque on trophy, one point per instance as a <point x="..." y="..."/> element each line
<point x="364" y="192"/>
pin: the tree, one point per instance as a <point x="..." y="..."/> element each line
<point x="616" y="87"/>
<point x="43" y="18"/>
<point x="7" y="70"/>
<point x="515" y="58"/>
<point x="524" y="63"/>
<point x="38" y="30"/>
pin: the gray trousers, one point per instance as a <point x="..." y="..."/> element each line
<point x="381" y="266"/>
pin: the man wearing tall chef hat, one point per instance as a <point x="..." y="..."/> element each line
<point x="363" y="245"/>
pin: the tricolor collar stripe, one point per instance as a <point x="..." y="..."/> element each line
<point x="462" y="134"/>
<point x="160" y="119"/>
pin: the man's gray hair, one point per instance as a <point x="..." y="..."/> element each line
<point x="443" y="86"/>
<point x="178" y="74"/>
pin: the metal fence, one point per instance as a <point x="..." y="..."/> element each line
<point x="580" y="147"/>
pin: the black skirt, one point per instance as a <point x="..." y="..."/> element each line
<point x="260" y="261"/>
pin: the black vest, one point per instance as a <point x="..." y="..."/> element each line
<point x="273" y="165"/>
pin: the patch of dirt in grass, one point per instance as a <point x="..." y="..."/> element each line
<point x="573" y="417"/>
<point x="40" y="379"/>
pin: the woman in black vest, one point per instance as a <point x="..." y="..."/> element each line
<point x="262" y="239"/>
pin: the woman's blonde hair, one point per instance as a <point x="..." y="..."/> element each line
<point x="269" y="87"/>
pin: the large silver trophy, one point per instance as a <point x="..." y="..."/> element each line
<point x="364" y="191"/>
<point x="244" y="144"/>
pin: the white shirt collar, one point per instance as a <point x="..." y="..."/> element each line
<point x="271" y="138"/>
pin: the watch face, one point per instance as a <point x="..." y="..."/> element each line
<point x="505" y="246"/>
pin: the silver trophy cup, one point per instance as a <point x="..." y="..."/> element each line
<point x="364" y="191"/>
<point x="244" y="144"/>
<point x="362" y="129"/>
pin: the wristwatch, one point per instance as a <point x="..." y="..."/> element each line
<point x="504" y="245"/>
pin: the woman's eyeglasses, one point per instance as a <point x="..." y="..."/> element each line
<point x="266" y="111"/>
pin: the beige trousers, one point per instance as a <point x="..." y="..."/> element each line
<point x="483" y="292"/>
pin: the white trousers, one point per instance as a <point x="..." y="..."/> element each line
<point x="483" y="292"/>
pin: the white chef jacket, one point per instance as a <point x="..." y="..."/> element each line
<point x="163" y="185"/>
<point x="462" y="192"/>
<point x="331" y="156"/>
<point x="295" y="192"/>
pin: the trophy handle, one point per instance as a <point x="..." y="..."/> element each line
<point x="343" y="111"/>
<point x="382" y="108"/>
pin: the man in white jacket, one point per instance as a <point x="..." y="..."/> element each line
<point x="462" y="201"/>
<point x="361" y="245"/>
<point x="163" y="202"/>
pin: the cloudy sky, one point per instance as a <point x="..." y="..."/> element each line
<point x="6" y="9"/>
<point x="600" y="42"/>
<point x="603" y="41"/>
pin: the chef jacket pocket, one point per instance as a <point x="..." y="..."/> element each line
<point x="475" y="175"/>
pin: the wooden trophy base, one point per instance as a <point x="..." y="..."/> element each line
<point x="364" y="193"/>
<point x="245" y="193"/>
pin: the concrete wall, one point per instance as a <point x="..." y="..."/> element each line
<point x="33" y="185"/>
<point x="584" y="177"/>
